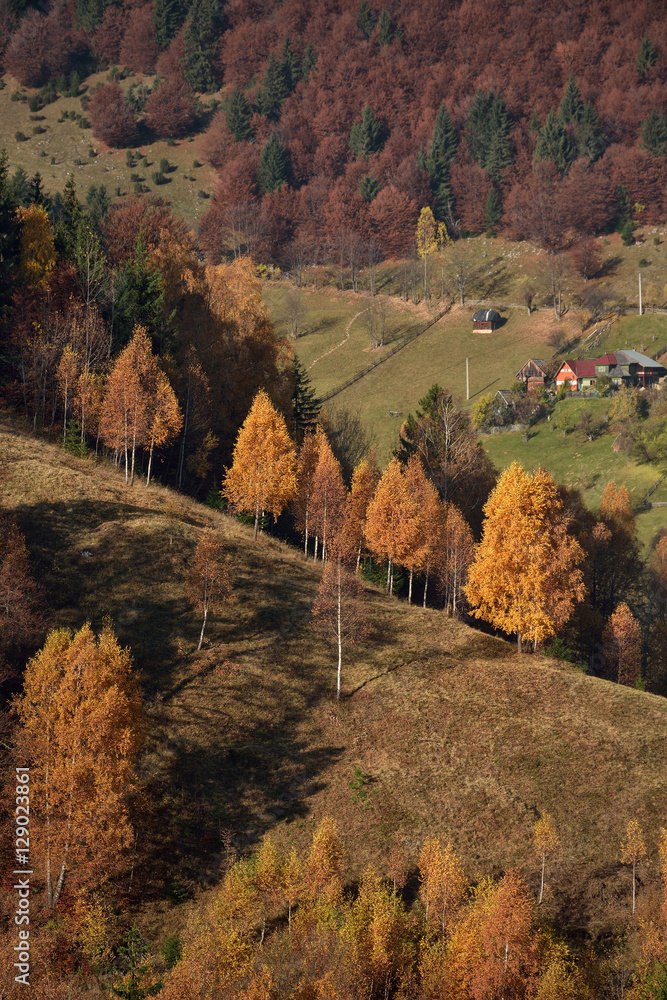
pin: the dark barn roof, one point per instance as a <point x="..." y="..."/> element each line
<point x="486" y="316"/>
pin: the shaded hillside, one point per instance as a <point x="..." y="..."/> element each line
<point x="442" y="730"/>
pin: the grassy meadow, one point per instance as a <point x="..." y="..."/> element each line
<point x="451" y="733"/>
<point x="54" y="151"/>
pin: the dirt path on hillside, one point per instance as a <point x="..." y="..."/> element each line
<point x="343" y="341"/>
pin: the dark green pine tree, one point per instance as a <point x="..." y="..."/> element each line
<point x="367" y="136"/>
<point x="554" y="143"/>
<point x="572" y="106"/>
<point x="204" y="26"/>
<point x="534" y="124"/>
<point x="290" y="65"/>
<point x="67" y="212"/>
<point x="9" y="236"/>
<point x="646" y="57"/>
<point x="441" y="152"/>
<point x="168" y="16"/>
<point x="493" y="209"/>
<point x="37" y="195"/>
<point x="140" y="297"/>
<point x="99" y="203"/>
<point x="238" y="113"/>
<point x="366" y="19"/>
<point x="654" y="133"/>
<point x="369" y="187"/>
<point x="488" y="132"/>
<point x="387" y="33"/>
<point x="274" y="165"/>
<point x="590" y="137"/>
<point x="305" y="407"/>
<point x="89" y="13"/>
<point x="273" y="90"/>
<point x="309" y="61"/>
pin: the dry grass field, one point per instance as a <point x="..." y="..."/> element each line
<point x="442" y="729"/>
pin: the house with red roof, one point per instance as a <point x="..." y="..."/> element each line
<point x="622" y="367"/>
<point x="579" y="374"/>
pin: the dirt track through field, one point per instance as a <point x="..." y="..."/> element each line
<point x="343" y="341"/>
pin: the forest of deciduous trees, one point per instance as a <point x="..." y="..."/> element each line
<point x="339" y="122"/>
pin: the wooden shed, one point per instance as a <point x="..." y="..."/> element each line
<point x="534" y="373"/>
<point x="486" y="321"/>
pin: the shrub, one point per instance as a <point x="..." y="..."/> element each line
<point x="159" y="178"/>
<point x="627" y="233"/>
<point x="34" y="103"/>
<point x="38" y="129"/>
<point x="84" y="123"/>
<point x="49" y="93"/>
<point x="117" y="192"/>
<point x="196" y="163"/>
<point x="2" y="84"/>
<point x="203" y="194"/>
<point x="164" y="165"/>
<point x="78" y="162"/>
<point x="53" y="161"/>
<point x="20" y="137"/>
<point x="644" y="262"/>
<point x="42" y="153"/>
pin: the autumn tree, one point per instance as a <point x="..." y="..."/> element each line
<point x="391" y="518"/>
<point x="164" y="418"/>
<point x="365" y="479"/>
<point x="430" y="237"/>
<point x="454" y="556"/>
<point x="621" y="644"/>
<point x="633" y="850"/>
<point x="210" y="576"/>
<point x="337" y="612"/>
<point x="545" y="842"/>
<point x="38" y="254"/>
<point x="128" y="412"/>
<point x="424" y="530"/>
<point x="443" y="882"/>
<point x="526" y="577"/>
<point x="171" y="110"/>
<point x="263" y="472"/>
<point x="327" y="497"/>
<point x="80" y="729"/>
<point x="111" y="116"/>
<point x="324" y="865"/>
<point x="300" y="504"/>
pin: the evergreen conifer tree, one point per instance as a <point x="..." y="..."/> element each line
<point x="654" y="133"/>
<point x="572" y="106"/>
<point x="487" y="132"/>
<point x="367" y="136"/>
<point x="9" y="235"/>
<point x="309" y="61"/>
<point x="554" y="143"/>
<point x="274" y="165"/>
<point x="441" y="152"/>
<point x="273" y="90"/>
<point x="369" y="187"/>
<point x="202" y="31"/>
<point x="290" y="65"/>
<point x="366" y="19"/>
<point x="647" y="56"/>
<point x="590" y="138"/>
<point x="141" y="296"/>
<point x="305" y="406"/>
<point x="89" y="13"/>
<point x="238" y="113"/>
<point x="493" y="210"/>
<point x="386" y="30"/>
<point x="168" y="16"/>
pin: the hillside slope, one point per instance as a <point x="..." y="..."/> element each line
<point x="442" y="730"/>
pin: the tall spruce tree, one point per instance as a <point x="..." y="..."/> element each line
<point x="572" y="106"/>
<point x="238" y="113"/>
<point x="654" y="133"/>
<point x="274" y="165"/>
<point x="387" y="33"/>
<point x="590" y="137"/>
<point x="554" y="143"/>
<point x="205" y="23"/>
<point x="646" y="57"/>
<point x="290" y="65"/>
<point x="9" y="236"/>
<point x="309" y="61"/>
<point x="89" y="13"/>
<point x="437" y="162"/>
<point x="488" y="132"/>
<point x="366" y="19"/>
<point x="168" y="16"/>
<point x="367" y="136"/>
<point x="305" y="406"/>
<point x="493" y="209"/>
<point x="273" y="90"/>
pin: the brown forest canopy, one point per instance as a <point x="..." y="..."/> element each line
<point x="345" y="117"/>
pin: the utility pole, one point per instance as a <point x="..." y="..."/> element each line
<point x="640" y="293"/>
<point x="468" y="377"/>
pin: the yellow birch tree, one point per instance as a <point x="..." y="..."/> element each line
<point x="633" y="849"/>
<point x="545" y="842"/>
<point x="263" y="472"/>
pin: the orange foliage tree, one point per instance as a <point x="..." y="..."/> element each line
<point x="210" y="577"/>
<point x="164" y="418"/>
<point x="306" y="466"/>
<point x="365" y="479"/>
<point x="81" y="725"/>
<point x="526" y="577"/>
<point x="443" y="882"/>
<point x="391" y="520"/>
<point x="456" y="556"/>
<point x="327" y="497"/>
<point x="263" y="472"/>
<point x="621" y="643"/>
<point x="125" y="411"/>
